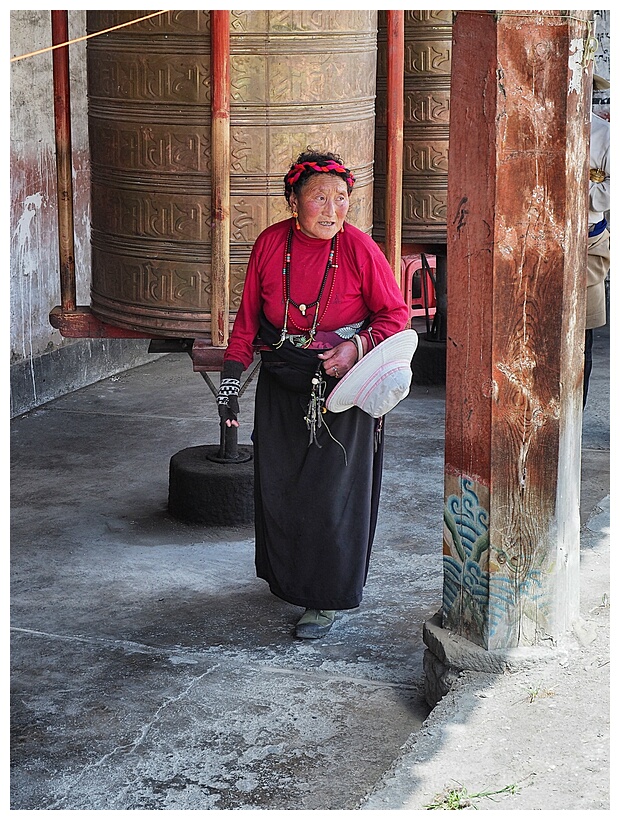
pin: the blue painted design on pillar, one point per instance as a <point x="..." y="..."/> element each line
<point x="480" y="602"/>
<point x="466" y="576"/>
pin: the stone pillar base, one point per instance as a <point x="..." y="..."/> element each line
<point x="448" y="654"/>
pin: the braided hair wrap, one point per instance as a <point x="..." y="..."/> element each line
<point x="313" y="162"/>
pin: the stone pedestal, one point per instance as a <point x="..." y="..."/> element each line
<point x="205" y="491"/>
<point x="448" y="654"/>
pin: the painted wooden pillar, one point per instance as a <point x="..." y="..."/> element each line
<point x="64" y="166"/>
<point x="517" y="227"/>
<point x="220" y="176"/>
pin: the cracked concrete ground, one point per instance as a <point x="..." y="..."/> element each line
<point x="150" y="669"/>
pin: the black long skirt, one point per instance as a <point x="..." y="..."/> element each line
<point x="315" y="514"/>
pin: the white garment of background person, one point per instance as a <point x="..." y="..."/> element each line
<point x="598" y="236"/>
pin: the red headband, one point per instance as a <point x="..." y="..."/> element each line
<point x="297" y="170"/>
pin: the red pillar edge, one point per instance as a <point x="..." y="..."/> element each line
<point x="64" y="180"/>
<point x="220" y="176"/>
<point x="394" y="138"/>
<point x="469" y="383"/>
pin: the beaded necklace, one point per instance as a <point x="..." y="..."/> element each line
<point x="304" y="340"/>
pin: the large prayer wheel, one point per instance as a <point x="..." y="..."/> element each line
<point x="298" y="79"/>
<point x="426" y="121"/>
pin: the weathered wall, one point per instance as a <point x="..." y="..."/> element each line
<point x="43" y="364"/>
<point x="601" y="99"/>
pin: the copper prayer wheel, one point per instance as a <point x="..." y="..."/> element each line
<point x="426" y="120"/>
<point x="298" y="79"/>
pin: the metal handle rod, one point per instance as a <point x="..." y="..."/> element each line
<point x="425" y="271"/>
<point x="229" y="442"/>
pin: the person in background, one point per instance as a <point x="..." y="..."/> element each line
<point x="598" y="233"/>
<point x="318" y="295"/>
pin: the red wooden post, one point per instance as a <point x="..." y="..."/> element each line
<point x="64" y="181"/>
<point x="220" y="176"/>
<point x="395" y="115"/>
<point x="517" y="227"/>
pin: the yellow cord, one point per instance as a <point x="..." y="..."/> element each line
<point x="87" y="36"/>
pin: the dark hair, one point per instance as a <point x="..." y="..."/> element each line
<point x="315" y="162"/>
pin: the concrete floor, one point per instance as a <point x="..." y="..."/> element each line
<point x="152" y="670"/>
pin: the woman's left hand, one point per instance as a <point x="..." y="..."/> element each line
<point x="340" y="359"/>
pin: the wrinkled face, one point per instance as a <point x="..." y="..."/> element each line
<point x="322" y="205"/>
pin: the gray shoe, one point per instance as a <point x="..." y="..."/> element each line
<point x="315" y="623"/>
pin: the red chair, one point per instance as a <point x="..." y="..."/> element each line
<point x="418" y="284"/>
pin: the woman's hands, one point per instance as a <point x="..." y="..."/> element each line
<point x="340" y="359"/>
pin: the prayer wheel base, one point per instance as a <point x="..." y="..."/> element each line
<point x="429" y="362"/>
<point x="212" y="493"/>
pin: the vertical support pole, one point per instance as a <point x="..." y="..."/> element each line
<point x="517" y="228"/>
<point x="395" y="115"/>
<point x="220" y="176"/>
<point x="64" y="182"/>
<point x="220" y="199"/>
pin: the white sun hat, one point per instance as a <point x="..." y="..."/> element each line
<point x="379" y="380"/>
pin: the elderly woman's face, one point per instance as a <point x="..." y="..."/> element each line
<point x="322" y="205"/>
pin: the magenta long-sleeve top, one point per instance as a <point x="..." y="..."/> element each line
<point x="362" y="287"/>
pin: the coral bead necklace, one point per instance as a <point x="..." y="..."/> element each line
<point x="306" y="338"/>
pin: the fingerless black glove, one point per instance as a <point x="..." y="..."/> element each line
<point x="228" y="395"/>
